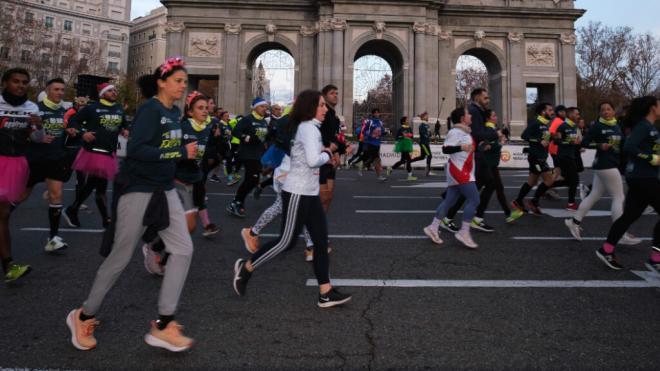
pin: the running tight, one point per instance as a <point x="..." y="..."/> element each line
<point x="604" y="180"/>
<point x="90" y="185"/>
<point x="250" y="180"/>
<point x="641" y="193"/>
<point x="405" y="159"/>
<point x="299" y="211"/>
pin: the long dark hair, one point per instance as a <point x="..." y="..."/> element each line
<point x="149" y="83"/>
<point x="639" y="108"/>
<point x="304" y="109"/>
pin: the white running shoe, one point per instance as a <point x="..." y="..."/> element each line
<point x="466" y="239"/>
<point x="433" y="234"/>
<point x="152" y="261"/>
<point x="573" y="228"/>
<point x="629" y="240"/>
<point x="54" y="244"/>
<point x="382" y="178"/>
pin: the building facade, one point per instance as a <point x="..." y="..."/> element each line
<point x="147" y="43"/>
<point x="49" y="37"/>
<point x="523" y="43"/>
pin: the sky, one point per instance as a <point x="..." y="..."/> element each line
<point x="642" y="15"/>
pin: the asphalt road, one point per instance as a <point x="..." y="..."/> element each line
<point x="457" y="309"/>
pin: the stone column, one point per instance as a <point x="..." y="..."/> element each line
<point x="419" y="29"/>
<point x="174" y="31"/>
<point x="324" y="56"/>
<point x="447" y="81"/>
<point x="231" y="99"/>
<point x="517" y="99"/>
<point x="568" y="92"/>
<point x="432" y="80"/>
<point x="307" y="51"/>
<point x="338" y="27"/>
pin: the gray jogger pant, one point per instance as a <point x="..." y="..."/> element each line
<point x="128" y="233"/>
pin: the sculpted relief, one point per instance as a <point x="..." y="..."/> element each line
<point x="204" y="45"/>
<point x="541" y="54"/>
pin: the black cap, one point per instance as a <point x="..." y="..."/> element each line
<point x="560" y="108"/>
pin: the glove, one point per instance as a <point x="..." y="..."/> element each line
<point x="655" y="160"/>
<point x="246" y="139"/>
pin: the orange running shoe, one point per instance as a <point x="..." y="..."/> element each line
<point x="251" y="242"/>
<point x="170" y="338"/>
<point x="82" y="332"/>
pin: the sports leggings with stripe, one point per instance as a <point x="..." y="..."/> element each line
<point x="299" y="211"/>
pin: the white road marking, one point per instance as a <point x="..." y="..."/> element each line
<point x="554" y="213"/>
<point x="68" y="230"/>
<point x="553" y="238"/>
<point x="647" y="283"/>
<point x="361" y="236"/>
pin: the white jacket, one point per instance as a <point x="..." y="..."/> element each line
<point x="306" y="157"/>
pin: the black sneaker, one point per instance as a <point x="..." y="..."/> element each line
<point x="241" y="277"/>
<point x="71" y="218"/>
<point x="236" y="209"/>
<point x="482" y="226"/>
<point x="449" y="225"/>
<point x="332" y="298"/>
<point x="257" y="192"/>
<point x="214" y="178"/>
<point x="609" y="259"/>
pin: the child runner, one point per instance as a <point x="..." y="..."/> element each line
<point x="460" y="147"/>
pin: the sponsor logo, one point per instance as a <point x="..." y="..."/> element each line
<point x="505" y="156"/>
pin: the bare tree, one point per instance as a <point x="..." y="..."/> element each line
<point x="471" y="73"/>
<point x="642" y="75"/>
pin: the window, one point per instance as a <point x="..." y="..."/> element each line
<point x="114" y="54"/>
<point x="25" y="56"/>
<point x="4" y="52"/>
<point x="113" y="67"/>
<point x="45" y="58"/>
<point x="29" y="17"/>
<point x="64" y="60"/>
<point x="86" y="29"/>
<point x="68" y="25"/>
<point x="49" y="21"/>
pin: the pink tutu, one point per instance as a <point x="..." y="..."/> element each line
<point x="14" y="173"/>
<point x="96" y="164"/>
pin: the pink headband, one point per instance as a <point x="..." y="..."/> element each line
<point x="170" y="63"/>
<point x="191" y="97"/>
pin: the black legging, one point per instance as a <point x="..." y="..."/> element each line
<point x="642" y="192"/>
<point x="494" y="186"/>
<point x="299" y="211"/>
<point x="424" y="153"/>
<point x="405" y="159"/>
<point x="357" y="154"/>
<point x="92" y="183"/>
<point x="569" y="171"/>
<point x="250" y="179"/>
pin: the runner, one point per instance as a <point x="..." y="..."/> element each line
<point x="373" y="134"/>
<point x="19" y="122"/>
<point x="252" y="131"/>
<point x="643" y="150"/>
<point x="568" y="143"/>
<point x="48" y="159"/>
<point x="460" y="147"/>
<point x="425" y="143"/>
<point x="404" y="146"/>
<point x="100" y="124"/>
<point x="359" y="135"/>
<point x="301" y="200"/>
<point x="537" y="135"/>
<point x="147" y="184"/>
<point x="606" y="137"/>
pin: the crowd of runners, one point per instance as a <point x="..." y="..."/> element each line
<point x="171" y="153"/>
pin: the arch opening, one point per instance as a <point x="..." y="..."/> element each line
<point x="271" y="74"/>
<point x="479" y="68"/>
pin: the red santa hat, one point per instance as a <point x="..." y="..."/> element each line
<point x="104" y="88"/>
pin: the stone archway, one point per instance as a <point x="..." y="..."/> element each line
<point x="252" y="52"/>
<point x="392" y="54"/>
<point x="493" y="59"/>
